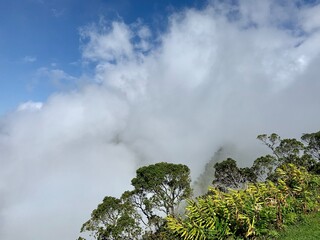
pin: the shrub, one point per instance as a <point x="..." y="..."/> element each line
<point x="257" y="211"/>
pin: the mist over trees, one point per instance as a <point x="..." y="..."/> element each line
<point x="242" y="203"/>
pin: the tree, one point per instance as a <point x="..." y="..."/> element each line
<point x="270" y="141"/>
<point x="264" y="166"/>
<point x="228" y="175"/>
<point x="165" y="185"/>
<point x="291" y="151"/>
<point x="312" y="141"/>
<point x="113" y="219"/>
<point x="285" y="150"/>
<point x="140" y="213"/>
<point x="158" y="190"/>
<point x="145" y="207"/>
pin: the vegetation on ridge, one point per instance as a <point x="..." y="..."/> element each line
<point x="255" y="202"/>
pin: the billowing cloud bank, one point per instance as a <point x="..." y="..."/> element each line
<point x="216" y="76"/>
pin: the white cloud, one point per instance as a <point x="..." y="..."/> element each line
<point x="310" y="19"/>
<point x="115" y="42"/>
<point x="59" y="78"/>
<point x="210" y="82"/>
<point x="30" y="106"/>
<point x="112" y="44"/>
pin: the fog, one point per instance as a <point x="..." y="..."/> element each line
<point x="216" y="77"/>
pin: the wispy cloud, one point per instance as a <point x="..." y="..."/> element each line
<point x="57" y="77"/>
<point x="57" y="12"/>
<point x="29" y="59"/>
<point x="30" y="106"/>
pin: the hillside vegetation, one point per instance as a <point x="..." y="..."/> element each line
<point x="258" y="202"/>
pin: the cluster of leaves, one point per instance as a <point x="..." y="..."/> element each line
<point x="257" y="211"/>
<point x="140" y="213"/>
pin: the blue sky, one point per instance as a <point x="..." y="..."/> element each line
<point x="45" y="34"/>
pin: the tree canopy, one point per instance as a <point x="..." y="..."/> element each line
<point x="140" y="213"/>
<point x="113" y="219"/>
<point x="165" y="184"/>
<point x="227" y="174"/>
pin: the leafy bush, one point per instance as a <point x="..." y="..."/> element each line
<point x="257" y="211"/>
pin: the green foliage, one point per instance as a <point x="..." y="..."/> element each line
<point x="270" y="141"/>
<point x="113" y="219"/>
<point x="228" y="175"/>
<point x="308" y="229"/>
<point x="259" y="210"/>
<point x="242" y="205"/>
<point x="163" y="185"/>
<point x="160" y="234"/>
<point x="264" y="166"/>
<point x="312" y="141"/>
<point x="289" y="150"/>
<point x="137" y="214"/>
<point x="305" y="154"/>
<point x="285" y="150"/>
